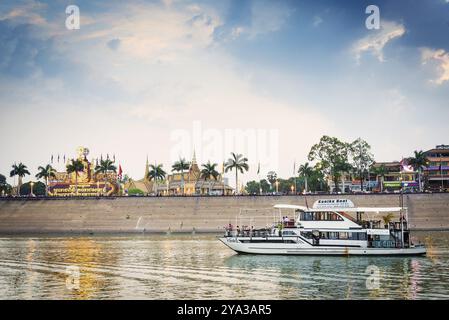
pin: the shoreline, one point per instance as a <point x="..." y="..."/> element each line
<point x="187" y="214"/>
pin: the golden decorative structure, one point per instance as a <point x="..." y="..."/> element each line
<point x="89" y="182"/>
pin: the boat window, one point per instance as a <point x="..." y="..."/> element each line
<point x="307" y="234"/>
<point x="320" y="216"/>
<point x="289" y="233"/>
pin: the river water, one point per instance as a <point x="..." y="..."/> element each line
<point x="200" y="267"/>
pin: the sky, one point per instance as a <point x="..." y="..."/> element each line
<point x="263" y="78"/>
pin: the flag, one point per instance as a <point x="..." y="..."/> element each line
<point x="114" y="157"/>
<point x="120" y="171"/>
<point x="51" y="158"/>
<point x="258" y="168"/>
<point x="101" y="157"/>
<point x="294" y="168"/>
<point x="107" y="156"/>
<point x="58" y="158"/>
<point x="64" y="158"/>
<point x="223" y="168"/>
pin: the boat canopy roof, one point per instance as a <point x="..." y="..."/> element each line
<point x="341" y="209"/>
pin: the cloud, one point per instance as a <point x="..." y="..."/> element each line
<point x="28" y="11"/>
<point x="376" y="40"/>
<point x="114" y="44"/>
<point x="317" y="20"/>
<point x="441" y="58"/>
<point x="253" y="19"/>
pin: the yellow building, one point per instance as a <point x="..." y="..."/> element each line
<point x="173" y="183"/>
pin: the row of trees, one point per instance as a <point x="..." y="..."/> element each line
<point x="334" y="158"/>
<point x="156" y="173"/>
<point x="236" y="162"/>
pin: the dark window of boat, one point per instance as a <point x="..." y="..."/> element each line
<point x="333" y="235"/>
<point x="269" y="241"/>
<point x="320" y="216"/>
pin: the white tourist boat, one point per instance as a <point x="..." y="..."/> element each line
<point x="330" y="227"/>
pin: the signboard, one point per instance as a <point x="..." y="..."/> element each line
<point x="379" y="232"/>
<point x="333" y="203"/>
<point x="84" y="190"/>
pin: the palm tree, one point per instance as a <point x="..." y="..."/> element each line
<point x="156" y="174"/>
<point x="21" y="171"/>
<point x="180" y="166"/>
<point x="418" y="161"/>
<point x="104" y="167"/>
<point x="238" y="163"/>
<point x="387" y="218"/>
<point x="45" y="173"/>
<point x="380" y="172"/>
<point x="209" y="172"/>
<point x="306" y="171"/>
<point x="75" y="166"/>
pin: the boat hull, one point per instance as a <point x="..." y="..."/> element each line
<point x="298" y="249"/>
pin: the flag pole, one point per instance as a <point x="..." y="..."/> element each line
<point x="441" y="172"/>
<point x="294" y="174"/>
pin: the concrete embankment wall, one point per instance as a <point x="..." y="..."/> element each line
<point x="185" y="214"/>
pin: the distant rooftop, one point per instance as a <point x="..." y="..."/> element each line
<point x="439" y="149"/>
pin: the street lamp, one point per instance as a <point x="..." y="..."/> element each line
<point x="31" y="190"/>
<point x="292" y="188"/>
<point x="277" y="186"/>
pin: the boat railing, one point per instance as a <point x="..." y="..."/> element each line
<point x="248" y="233"/>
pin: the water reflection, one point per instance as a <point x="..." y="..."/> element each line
<point x="198" y="266"/>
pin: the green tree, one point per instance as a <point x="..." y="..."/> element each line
<point x="379" y="171"/>
<point x="238" y="163"/>
<point x="252" y="187"/>
<point x="39" y="188"/>
<point x="305" y="170"/>
<point x="265" y="186"/>
<point x="5" y="188"/>
<point x="156" y="173"/>
<point x="104" y="167"/>
<point x="418" y="162"/>
<point x="180" y="166"/>
<point x="21" y="171"/>
<point x="362" y="158"/>
<point x="208" y="172"/>
<point x="135" y="192"/>
<point x="46" y="173"/>
<point x="255" y="187"/>
<point x="332" y="155"/>
<point x="75" y="166"/>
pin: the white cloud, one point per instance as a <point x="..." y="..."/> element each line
<point x="376" y="40"/>
<point x="26" y="12"/>
<point x="317" y="20"/>
<point x="441" y="58"/>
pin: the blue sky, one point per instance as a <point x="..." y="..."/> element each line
<point x="138" y="77"/>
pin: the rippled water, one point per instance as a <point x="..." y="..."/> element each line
<point x="199" y="266"/>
